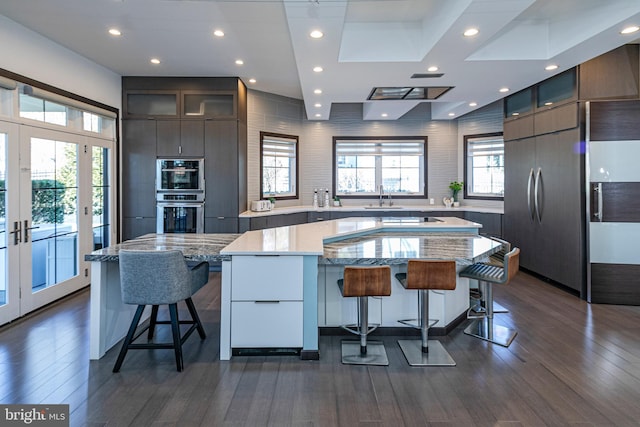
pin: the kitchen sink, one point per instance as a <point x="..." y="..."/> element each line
<point x="383" y="208"/>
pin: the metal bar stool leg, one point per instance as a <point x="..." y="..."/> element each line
<point x="363" y="352"/>
<point x="484" y="328"/>
<point x="425" y="352"/>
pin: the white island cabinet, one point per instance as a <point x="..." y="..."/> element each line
<point x="278" y="284"/>
<point x="266" y="301"/>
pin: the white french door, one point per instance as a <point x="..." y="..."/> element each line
<point x="47" y="215"/>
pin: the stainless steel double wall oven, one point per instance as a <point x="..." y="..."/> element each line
<point x="180" y="195"/>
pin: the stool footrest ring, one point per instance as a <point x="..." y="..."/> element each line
<point x="353" y="328"/>
<point x="415" y="323"/>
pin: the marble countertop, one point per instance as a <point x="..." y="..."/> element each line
<point x="309" y="239"/>
<point x="384" y="248"/>
<point x="400" y="208"/>
<point x="195" y="247"/>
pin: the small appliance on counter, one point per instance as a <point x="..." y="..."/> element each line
<point x="260" y="205"/>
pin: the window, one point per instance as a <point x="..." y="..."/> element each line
<point x="279" y="164"/>
<point x="484" y="166"/>
<point x="42" y="110"/>
<point x="363" y="164"/>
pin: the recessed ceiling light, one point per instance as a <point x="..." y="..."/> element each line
<point x="452" y="114"/>
<point x="114" y="32"/>
<point x="432" y="69"/>
<point x="317" y="69"/>
<point x="252" y="80"/>
<point x="155" y="61"/>
<point x="318" y="105"/>
<point x="551" y="67"/>
<point x="218" y="33"/>
<point x="384" y="115"/>
<point x="470" y="32"/>
<point x="318" y="115"/>
<point x="316" y="34"/>
<point x="473" y="104"/>
<point x="504" y="89"/>
<point x="317" y="91"/>
<point x="239" y="62"/>
<point x="630" y="30"/>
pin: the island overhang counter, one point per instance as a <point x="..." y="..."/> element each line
<point x="278" y="284"/>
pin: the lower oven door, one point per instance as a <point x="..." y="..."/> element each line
<point x="180" y="218"/>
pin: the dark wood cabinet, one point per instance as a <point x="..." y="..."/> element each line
<point x="491" y="222"/>
<point x="180" y="138"/>
<point x="544" y="205"/>
<point x="180" y="117"/>
<point x="614" y="75"/>
<point x="138" y="197"/>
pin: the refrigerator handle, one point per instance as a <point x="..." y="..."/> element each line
<point x="529" y="183"/>
<point x="536" y="194"/>
<point x="597" y="189"/>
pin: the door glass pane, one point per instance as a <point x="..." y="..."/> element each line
<point x="100" y="180"/>
<point x="54" y="185"/>
<point x="3" y="219"/>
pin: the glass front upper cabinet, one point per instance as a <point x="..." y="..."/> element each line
<point x="518" y="103"/>
<point x="209" y="104"/>
<point x="556" y="89"/>
<point x="163" y="104"/>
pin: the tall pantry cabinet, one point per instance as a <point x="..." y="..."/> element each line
<point x="184" y="117"/>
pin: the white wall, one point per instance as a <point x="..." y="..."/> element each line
<point x="273" y="113"/>
<point x="29" y="54"/>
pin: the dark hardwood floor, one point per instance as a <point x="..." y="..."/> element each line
<point x="572" y="364"/>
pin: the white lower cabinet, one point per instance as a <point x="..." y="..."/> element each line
<point x="266" y="301"/>
<point x="266" y="324"/>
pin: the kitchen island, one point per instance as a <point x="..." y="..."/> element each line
<point x="278" y="286"/>
<point x="110" y="318"/>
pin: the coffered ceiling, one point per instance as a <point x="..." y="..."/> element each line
<point x="366" y="44"/>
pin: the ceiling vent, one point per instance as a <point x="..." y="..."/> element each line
<point x="426" y="75"/>
<point x="409" y="93"/>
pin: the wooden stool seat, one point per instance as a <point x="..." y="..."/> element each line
<point x="364" y="282"/>
<point x="426" y="275"/>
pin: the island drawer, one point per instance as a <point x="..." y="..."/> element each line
<point x="266" y="324"/>
<point x="274" y="277"/>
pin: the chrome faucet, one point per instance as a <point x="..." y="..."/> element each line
<point x="380" y="202"/>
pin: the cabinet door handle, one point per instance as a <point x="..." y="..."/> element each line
<point x="536" y="194"/>
<point x="597" y="190"/>
<point x="267" y="302"/>
<point x="529" y="184"/>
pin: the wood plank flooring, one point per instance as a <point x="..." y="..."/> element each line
<point x="571" y="364"/>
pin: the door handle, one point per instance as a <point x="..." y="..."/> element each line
<point x="597" y="190"/>
<point x="529" y="183"/>
<point x="536" y="193"/>
<point x="17" y="233"/>
<point x="26" y="230"/>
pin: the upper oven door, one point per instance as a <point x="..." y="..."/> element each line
<point x="180" y="175"/>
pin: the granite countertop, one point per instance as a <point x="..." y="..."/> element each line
<point x="384" y="248"/>
<point x="195" y="247"/>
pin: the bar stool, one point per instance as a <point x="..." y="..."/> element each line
<point x="487" y="275"/>
<point x="425" y="275"/>
<point x="156" y="278"/>
<point x="364" y="282"/>
<point x="478" y="308"/>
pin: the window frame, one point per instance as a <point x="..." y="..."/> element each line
<point x="467" y="180"/>
<point x="400" y="195"/>
<point x="295" y="193"/>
